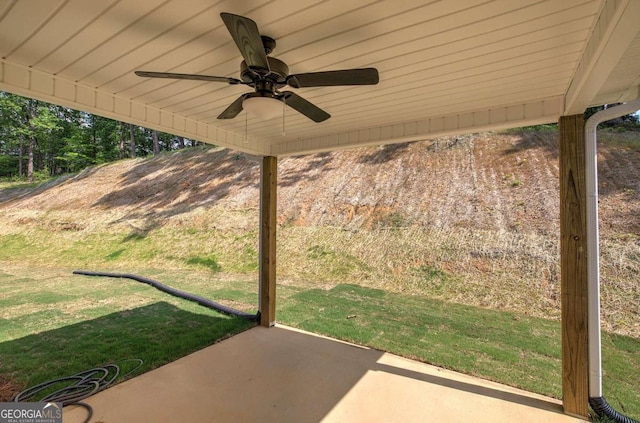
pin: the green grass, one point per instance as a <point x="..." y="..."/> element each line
<point x="505" y="347"/>
<point x="55" y="324"/>
<point x="515" y="271"/>
<point x="7" y="184"/>
<point x="519" y="351"/>
<point x="209" y="262"/>
<point x="52" y="241"/>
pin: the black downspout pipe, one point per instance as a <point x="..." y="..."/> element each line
<point x="176" y="293"/>
<point x="602" y="408"/>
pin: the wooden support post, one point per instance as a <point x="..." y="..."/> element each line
<point x="573" y="265"/>
<point x="267" y="265"/>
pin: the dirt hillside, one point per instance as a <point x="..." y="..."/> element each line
<point x="470" y="219"/>
<point x="491" y="181"/>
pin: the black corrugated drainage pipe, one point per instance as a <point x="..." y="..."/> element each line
<point x="596" y="399"/>
<point x="176" y="293"/>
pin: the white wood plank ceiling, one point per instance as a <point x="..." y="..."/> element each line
<point x="446" y="66"/>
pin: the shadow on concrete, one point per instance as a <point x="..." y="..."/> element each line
<point x="284" y="375"/>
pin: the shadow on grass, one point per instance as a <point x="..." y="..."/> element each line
<point x="294" y="170"/>
<point x="528" y="139"/>
<point x="19" y="191"/>
<point x="158" y="333"/>
<point x="385" y="154"/>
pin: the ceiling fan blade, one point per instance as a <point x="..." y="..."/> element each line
<point x="365" y="76"/>
<point x="170" y="75"/>
<point x="247" y="37"/>
<point x="234" y="108"/>
<point x="308" y="109"/>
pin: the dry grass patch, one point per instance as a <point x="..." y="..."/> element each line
<point x="493" y="269"/>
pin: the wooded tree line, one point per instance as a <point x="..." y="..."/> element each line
<point x="42" y="139"/>
<point x="38" y="139"/>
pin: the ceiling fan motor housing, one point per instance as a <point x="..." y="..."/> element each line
<point x="278" y="73"/>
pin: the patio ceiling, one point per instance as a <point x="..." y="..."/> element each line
<point x="446" y="67"/>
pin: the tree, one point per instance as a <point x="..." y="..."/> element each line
<point x="122" y="134"/>
<point x="156" y="142"/>
<point x="29" y="125"/>
<point x="106" y="139"/>
<point x="10" y="140"/>
<point x="41" y="138"/>
<point x="629" y="120"/>
<point x="132" y="141"/>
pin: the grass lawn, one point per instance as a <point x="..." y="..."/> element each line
<point x="505" y="347"/>
<point x="55" y="323"/>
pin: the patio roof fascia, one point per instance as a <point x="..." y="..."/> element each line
<point x="615" y="28"/>
<point x="43" y="86"/>
<point x="541" y="111"/>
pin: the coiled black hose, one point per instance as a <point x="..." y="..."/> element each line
<point x="73" y="389"/>
<point x="175" y="292"/>
<point x="602" y="408"/>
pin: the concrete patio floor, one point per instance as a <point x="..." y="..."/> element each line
<point x="285" y="375"/>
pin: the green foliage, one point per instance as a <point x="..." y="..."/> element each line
<point x="209" y="262"/>
<point x="626" y="121"/>
<point x="431" y="278"/>
<point x="63" y="140"/>
<point x="8" y="165"/>
<point x="510" y="348"/>
<point x="336" y="264"/>
<point x="77" y="323"/>
<point x="392" y="220"/>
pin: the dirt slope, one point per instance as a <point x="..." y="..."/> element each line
<point x="473" y="219"/>
<point x="502" y="182"/>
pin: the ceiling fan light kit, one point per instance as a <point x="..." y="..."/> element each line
<point x="267" y="75"/>
<point x="263" y="107"/>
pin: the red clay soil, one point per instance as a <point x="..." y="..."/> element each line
<point x="493" y="181"/>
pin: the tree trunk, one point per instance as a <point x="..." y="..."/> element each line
<point x="32" y="139"/>
<point x="156" y="143"/>
<point x="121" y="153"/>
<point x="132" y="142"/>
<point x="94" y="135"/>
<point x="20" y="157"/>
<point x="32" y="145"/>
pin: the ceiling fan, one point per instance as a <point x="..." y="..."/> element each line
<point x="267" y="75"/>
